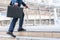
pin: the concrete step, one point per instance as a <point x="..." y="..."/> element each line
<point x="34" y="28"/>
<point x="35" y="34"/>
<point x="6" y="37"/>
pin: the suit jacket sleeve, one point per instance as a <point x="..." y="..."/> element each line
<point x="23" y="3"/>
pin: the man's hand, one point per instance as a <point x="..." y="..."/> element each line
<point x="15" y="4"/>
<point x="26" y="6"/>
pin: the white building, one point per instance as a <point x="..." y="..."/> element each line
<point x="45" y="13"/>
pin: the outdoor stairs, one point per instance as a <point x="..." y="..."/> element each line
<point x="31" y="35"/>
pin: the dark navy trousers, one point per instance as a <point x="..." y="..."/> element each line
<point x="14" y="20"/>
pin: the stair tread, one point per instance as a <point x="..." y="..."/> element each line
<point x="29" y="38"/>
<point x="35" y="34"/>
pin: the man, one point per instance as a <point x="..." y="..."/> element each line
<point x="12" y="25"/>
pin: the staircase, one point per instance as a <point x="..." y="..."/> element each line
<point x="25" y="35"/>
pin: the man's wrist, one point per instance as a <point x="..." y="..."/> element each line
<point x="26" y="6"/>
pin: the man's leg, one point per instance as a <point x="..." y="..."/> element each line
<point x="21" y="23"/>
<point x="12" y="26"/>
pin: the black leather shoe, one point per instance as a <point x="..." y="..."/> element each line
<point x="21" y="30"/>
<point x="10" y="33"/>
